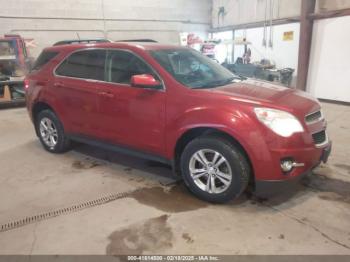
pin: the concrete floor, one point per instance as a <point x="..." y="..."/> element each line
<point x="158" y="219"/>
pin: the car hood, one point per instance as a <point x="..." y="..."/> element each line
<point x="269" y="94"/>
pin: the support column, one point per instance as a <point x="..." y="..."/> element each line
<point x="306" y="25"/>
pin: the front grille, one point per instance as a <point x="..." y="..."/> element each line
<point x="320" y="137"/>
<point x="313" y="117"/>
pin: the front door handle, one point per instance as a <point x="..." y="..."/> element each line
<point x="106" y="94"/>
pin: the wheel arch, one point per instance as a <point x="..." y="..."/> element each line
<point x="193" y="133"/>
<point x="37" y="108"/>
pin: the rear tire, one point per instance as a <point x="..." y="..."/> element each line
<point x="51" y="133"/>
<point x="214" y="169"/>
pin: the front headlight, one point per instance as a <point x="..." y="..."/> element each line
<point x="280" y="122"/>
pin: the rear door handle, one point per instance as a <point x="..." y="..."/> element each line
<point x="106" y="94"/>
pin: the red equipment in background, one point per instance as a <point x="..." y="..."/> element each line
<point x="15" y="63"/>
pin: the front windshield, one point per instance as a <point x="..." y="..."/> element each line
<point x="193" y="69"/>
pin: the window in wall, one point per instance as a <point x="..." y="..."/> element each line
<point x="223" y="51"/>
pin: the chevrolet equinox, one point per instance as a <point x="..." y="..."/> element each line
<point x="171" y="104"/>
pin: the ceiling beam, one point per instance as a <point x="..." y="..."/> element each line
<point x="280" y="21"/>
<point x="330" y="14"/>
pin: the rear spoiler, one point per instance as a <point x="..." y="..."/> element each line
<point x="82" y="41"/>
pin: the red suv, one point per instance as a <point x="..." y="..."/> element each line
<point x="171" y="104"/>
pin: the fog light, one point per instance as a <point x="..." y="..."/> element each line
<point x="287" y="165"/>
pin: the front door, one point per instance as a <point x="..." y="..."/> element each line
<point x="131" y="116"/>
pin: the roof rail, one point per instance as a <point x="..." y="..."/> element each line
<point x="82" y="41"/>
<point x="139" y="40"/>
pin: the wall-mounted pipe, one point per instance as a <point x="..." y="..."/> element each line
<point x="55" y="30"/>
<point x="271" y="27"/>
<point x="105" y="33"/>
<point x="265" y="25"/>
<point x="91" y="30"/>
<point x="107" y="19"/>
<point x="103" y="17"/>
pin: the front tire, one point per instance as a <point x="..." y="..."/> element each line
<point x="51" y="133"/>
<point x="214" y="169"/>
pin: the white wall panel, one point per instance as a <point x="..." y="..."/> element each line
<point x="329" y="72"/>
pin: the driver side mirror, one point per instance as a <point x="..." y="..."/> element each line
<point x="145" y="81"/>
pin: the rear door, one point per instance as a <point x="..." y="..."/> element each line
<point x="128" y="115"/>
<point x="76" y="86"/>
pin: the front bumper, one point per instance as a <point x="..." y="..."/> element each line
<point x="268" y="188"/>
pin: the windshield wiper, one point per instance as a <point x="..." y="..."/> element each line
<point x="217" y="83"/>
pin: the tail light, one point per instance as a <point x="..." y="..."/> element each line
<point x="26" y="84"/>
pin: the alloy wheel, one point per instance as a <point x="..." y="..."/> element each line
<point x="48" y="132"/>
<point x="210" y="171"/>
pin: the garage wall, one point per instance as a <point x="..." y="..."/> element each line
<point x="239" y="12"/>
<point x="330" y="5"/>
<point x="50" y="21"/>
<point x="329" y="68"/>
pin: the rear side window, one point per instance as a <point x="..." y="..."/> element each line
<point x="87" y="64"/>
<point x="43" y="59"/>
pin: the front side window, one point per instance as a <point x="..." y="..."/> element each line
<point x="122" y="65"/>
<point x="193" y="69"/>
<point x="87" y="64"/>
